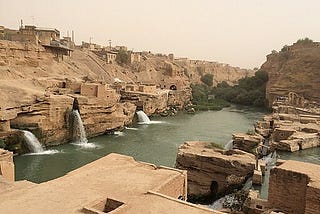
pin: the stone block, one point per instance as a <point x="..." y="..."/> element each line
<point x="7" y="170"/>
<point x="257" y="177"/>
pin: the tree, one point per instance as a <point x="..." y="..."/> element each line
<point x="122" y="57"/>
<point x="207" y="79"/>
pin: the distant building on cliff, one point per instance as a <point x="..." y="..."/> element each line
<point x="36" y="35"/>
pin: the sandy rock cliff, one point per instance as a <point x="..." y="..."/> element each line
<point x="295" y="68"/>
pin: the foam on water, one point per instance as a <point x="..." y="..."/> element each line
<point x="45" y="152"/>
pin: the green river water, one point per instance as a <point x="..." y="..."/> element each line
<point x="155" y="143"/>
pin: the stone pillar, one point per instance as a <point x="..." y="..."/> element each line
<point x="6" y="165"/>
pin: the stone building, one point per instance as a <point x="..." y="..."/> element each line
<point x="97" y="90"/>
<point x="67" y="41"/>
<point x="31" y="34"/>
<point x="46" y="35"/>
<point x="26" y="34"/>
<point x="134" y="57"/>
<point x="111" y="57"/>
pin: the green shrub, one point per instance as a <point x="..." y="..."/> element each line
<point x="249" y="91"/>
<point x="207" y="79"/>
<point x="122" y="57"/>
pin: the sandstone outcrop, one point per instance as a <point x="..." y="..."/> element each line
<point x="246" y="142"/>
<point x="195" y="69"/>
<point x="213" y="171"/>
<point x="294" y="69"/>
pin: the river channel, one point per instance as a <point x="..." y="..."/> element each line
<point x="155" y="143"/>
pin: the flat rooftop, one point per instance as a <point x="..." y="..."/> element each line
<point x="115" y="176"/>
<point x="309" y="169"/>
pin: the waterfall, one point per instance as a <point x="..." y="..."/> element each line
<point x="229" y="145"/>
<point x="79" y="134"/>
<point x="32" y="142"/>
<point x="142" y="117"/>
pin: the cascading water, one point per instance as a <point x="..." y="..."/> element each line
<point x="79" y="134"/>
<point x="142" y="117"/>
<point x="32" y="142"/>
<point x="229" y="145"/>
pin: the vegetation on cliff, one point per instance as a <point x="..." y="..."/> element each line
<point x="122" y="57"/>
<point x="203" y="99"/>
<point x="250" y="90"/>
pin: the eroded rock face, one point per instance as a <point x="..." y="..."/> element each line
<point x="294" y="69"/>
<point x="49" y="119"/>
<point x="246" y="142"/>
<point x="212" y="171"/>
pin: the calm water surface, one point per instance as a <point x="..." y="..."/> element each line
<point x="154" y="143"/>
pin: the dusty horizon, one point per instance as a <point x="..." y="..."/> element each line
<point x="234" y="32"/>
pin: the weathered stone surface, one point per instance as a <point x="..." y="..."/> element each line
<point x="294" y="187"/>
<point x="137" y="187"/>
<point x="6" y="165"/>
<point x="213" y="171"/>
<point x="246" y="142"/>
<point x="287" y="72"/>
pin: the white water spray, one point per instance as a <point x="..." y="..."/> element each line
<point x="144" y="119"/>
<point x="35" y="146"/>
<point x="79" y="134"/>
<point x="229" y="145"/>
<point x="32" y="142"/>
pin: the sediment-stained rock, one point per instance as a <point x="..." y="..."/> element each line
<point x="213" y="171"/>
<point x="246" y="142"/>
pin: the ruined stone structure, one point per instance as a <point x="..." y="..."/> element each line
<point x="115" y="184"/>
<point x="213" y="171"/>
<point x="293" y="126"/>
<point x="295" y="188"/>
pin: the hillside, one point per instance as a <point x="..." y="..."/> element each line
<point x="26" y="69"/>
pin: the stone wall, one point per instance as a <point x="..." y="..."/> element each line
<point x="287" y="191"/>
<point x="174" y="187"/>
<point x="294" y="187"/>
<point x="312" y="200"/>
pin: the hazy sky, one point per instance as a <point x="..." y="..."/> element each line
<point x="238" y="32"/>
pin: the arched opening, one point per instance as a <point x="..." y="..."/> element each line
<point x="173" y="87"/>
<point x="214" y="188"/>
<point x="75" y="105"/>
